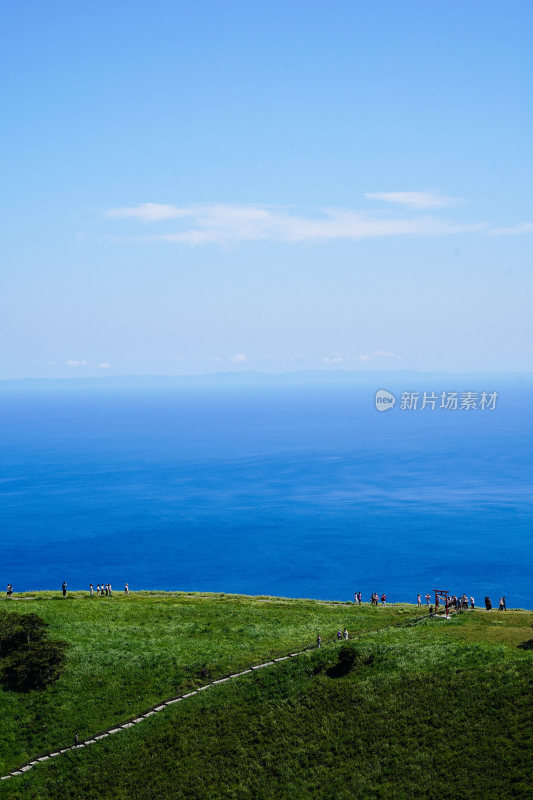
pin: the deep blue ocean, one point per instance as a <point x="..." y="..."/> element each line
<point x="294" y="487"/>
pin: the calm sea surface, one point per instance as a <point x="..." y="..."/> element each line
<point x="283" y="489"/>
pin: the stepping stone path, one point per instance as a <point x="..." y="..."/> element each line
<point x="30" y="764"/>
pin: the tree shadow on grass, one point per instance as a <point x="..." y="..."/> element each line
<point x="348" y="658"/>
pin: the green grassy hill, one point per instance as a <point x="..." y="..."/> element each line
<point x="412" y="708"/>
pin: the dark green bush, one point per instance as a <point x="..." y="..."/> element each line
<point x="28" y="660"/>
<point x="19" y="629"/>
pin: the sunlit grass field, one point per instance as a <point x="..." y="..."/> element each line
<point x="411" y="708"/>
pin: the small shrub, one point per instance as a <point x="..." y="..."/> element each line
<point x="33" y="666"/>
<point x="17" y="630"/>
<point x="28" y="660"/>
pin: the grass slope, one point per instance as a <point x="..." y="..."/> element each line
<point x="436" y="709"/>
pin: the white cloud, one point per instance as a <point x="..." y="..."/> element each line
<point x="229" y="224"/>
<point x="376" y="354"/>
<point x="512" y="230"/>
<point x="150" y="212"/>
<point x="333" y="359"/>
<point x="74" y="363"/>
<point x="418" y="200"/>
<point x="239" y="358"/>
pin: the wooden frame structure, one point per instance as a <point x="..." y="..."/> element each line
<point x="444" y="595"/>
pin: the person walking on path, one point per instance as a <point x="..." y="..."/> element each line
<point x="383" y="600"/>
<point x="472" y="604"/>
<point x="339" y="635"/>
<point x="418" y="600"/>
<point x="91" y="590"/>
<point x="9" y="590"/>
<point x="345" y="634"/>
<point x="428" y="598"/>
<point x="126" y="590"/>
<point x="319" y="641"/>
<point x="64" y="588"/>
<point x="76" y="740"/>
<point x="359" y="598"/>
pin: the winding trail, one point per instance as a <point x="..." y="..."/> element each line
<point x="28" y="765"/>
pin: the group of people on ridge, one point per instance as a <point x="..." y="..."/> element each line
<point x="374" y="600"/>
<point x="459" y="603"/>
<point x="101" y="590"/>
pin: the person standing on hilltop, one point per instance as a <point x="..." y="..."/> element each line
<point x="126" y="589"/>
<point x="418" y="600"/>
<point x="64" y="588"/>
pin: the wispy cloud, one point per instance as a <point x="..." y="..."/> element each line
<point x="416" y="200"/>
<point x="512" y="230"/>
<point x="151" y="212"/>
<point x="229" y="224"/>
<point x="239" y="358"/>
<point x="74" y="363"/>
<point x="376" y="354"/>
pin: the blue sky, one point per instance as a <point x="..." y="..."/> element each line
<point x="196" y="187"/>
